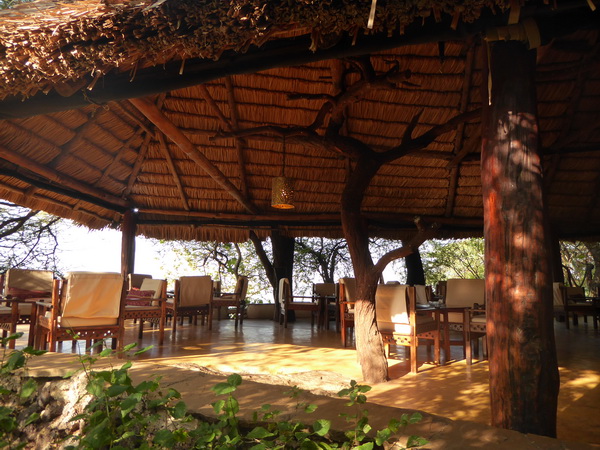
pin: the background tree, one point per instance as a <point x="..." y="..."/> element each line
<point x="455" y="258"/>
<point x="28" y="238"/>
<point x="221" y="261"/>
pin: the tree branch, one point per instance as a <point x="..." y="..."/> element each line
<point x="264" y="259"/>
<point x="423" y="234"/>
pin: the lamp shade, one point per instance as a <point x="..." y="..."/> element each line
<point x="282" y="193"/>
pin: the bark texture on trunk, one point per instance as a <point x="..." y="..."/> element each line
<point x="128" y="229"/>
<point x="414" y="269"/>
<point x="523" y="368"/>
<point x="369" y="344"/>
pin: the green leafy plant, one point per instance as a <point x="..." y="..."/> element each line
<point x="123" y="415"/>
<point x="15" y="395"/>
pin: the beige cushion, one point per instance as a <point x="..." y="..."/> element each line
<point x="33" y="280"/>
<point x="5" y="310"/>
<point x="479" y="318"/>
<point x="421" y="292"/>
<point x="557" y="295"/>
<point x="136" y="280"/>
<point x="324" y="289"/>
<point x="391" y="308"/>
<point x="349" y="289"/>
<point x="464" y="293"/>
<point x="73" y="322"/>
<point x="153" y="284"/>
<point x="284" y="291"/>
<point x="195" y="290"/>
<point x="92" y="295"/>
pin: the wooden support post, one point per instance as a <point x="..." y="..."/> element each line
<point x="523" y="367"/>
<point x="283" y="264"/>
<point x="128" y="229"/>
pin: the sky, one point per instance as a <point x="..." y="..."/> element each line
<point x="100" y="251"/>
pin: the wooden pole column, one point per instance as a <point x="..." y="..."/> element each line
<point x="128" y="242"/>
<point x="283" y="265"/>
<point x="524" y="378"/>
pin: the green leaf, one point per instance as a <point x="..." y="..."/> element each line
<point x="416" y="441"/>
<point x="32" y="418"/>
<point x="95" y="387"/>
<point x="116" y="389"/>
<point x="129" y="347"/>
<point x="164" y="438"/>
<point x="145" y="349"/>
<point x="310" y="408"/>
<point x="259" y="447"/>
<point x="33" y="352"/>
<point x="321" y="427"/>
<point x="365" y="446"/>
<point x="222" y="388"/>
<point x="218" y="406"/>
<point x="106" y="352"/>
<point x="127" y="365"/>
<point x="259" y="433"/>
<point x="179" y="410"/>
<point x="28" y="388"/>
<point x="128" y="404"/>
<point x="382" y="436"/>
<point x="415" y="418"/>
<point x="234" y="379"/>
<point x="16" y="360"/>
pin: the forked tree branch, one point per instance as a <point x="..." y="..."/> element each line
<point x="424" y="233"/>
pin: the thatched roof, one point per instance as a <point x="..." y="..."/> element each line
<point x="72" y="144"/>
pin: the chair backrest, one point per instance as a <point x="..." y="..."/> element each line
<point x="28" y="283"/>
<point x="440" y="288"/>
<point x="391" y="306"/>
<point x="329" y="289"/>
<point x="348" y="287"/>
<point x="159" y="287"/>
<point x="558" y="294"/>
<point x="423" y="294"/>
<point x="575" y="292"/>
<point x="89" y="295"/>
<point x="465" y="292"/>
<point x="136" y="280"/>
<point x="195" y="291"/>
<point x="285" y="293"/>
<point x="241" y="287"/>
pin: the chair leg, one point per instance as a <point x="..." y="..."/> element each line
<point x="413" y="357"/>
<point x="141" y="329"/>
<point x="174" y="319"/>
<point x="436" y="348"/>
<point x="210" y="315"/>
<point x="344" y="335"/>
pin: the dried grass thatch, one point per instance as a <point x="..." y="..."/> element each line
<point x="94" y="162"/>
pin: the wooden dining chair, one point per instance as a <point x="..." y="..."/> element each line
<point x="85" y="306"/>
<point x="192" y="299"/>
<point x="287" y="303"/>
<point x="347" y="299"/>
<point x="235" y="299"/>
<point x="460" y="295"/>
<point x="150" y="306"/>
<point x="328" y="297"/>
<point x="399" y="323"/>
<point x="571" y="301"/>
<point x="475" y="326"/>
<point x="21" y="289"/>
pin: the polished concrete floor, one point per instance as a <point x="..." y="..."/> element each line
<point x="454" y="390"/>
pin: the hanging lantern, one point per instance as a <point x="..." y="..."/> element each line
<point x="282" y="189"/>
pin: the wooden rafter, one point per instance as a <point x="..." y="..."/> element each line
<point x="137" y="166"/>
<point x="240" y="144"/>
<point x="165" y="151"/>
<point x="229" y="126"/>
<point x="31" y="194"/>
<point x="174" y="133"/>
<point x="460" y="130"/>
<point x="59" y="178"/>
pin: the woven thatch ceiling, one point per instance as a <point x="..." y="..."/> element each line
<point x="72" y="144"/>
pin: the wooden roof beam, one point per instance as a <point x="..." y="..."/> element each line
<point x="169" y="129"/>
<point x="165" y="150"/>
<point x="460" y="129"/>
<point x="70" y="188"/>
<point x="240" y="144"/>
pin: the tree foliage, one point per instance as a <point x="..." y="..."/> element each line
<point x="460" y="258"/>
<point x="28" y="238"/>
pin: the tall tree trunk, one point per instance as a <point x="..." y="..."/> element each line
<point x="128" y="229"/>
<point x="414" y="269"/>
<point x="283" y="264"/>
<point x="369" y="344"/>
<point x="523" y="368"/>
<point x="558" y="275"/>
